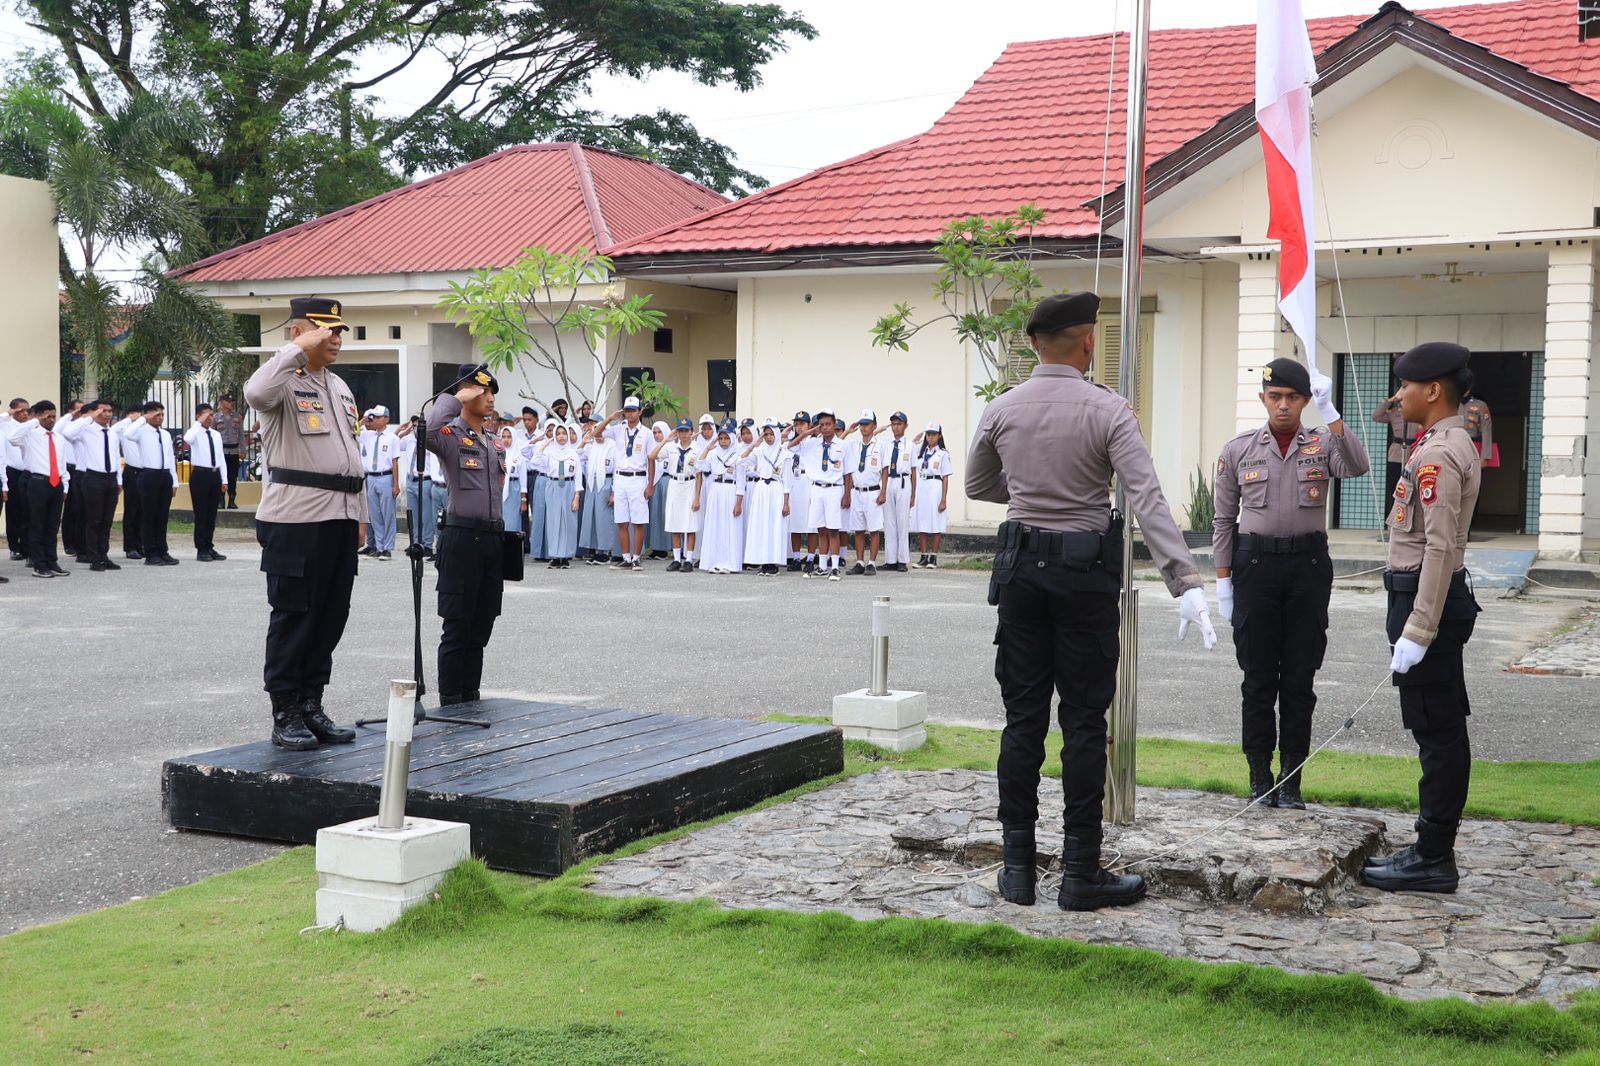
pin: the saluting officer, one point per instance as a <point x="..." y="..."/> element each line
<point x="471" y="566"/>
<point x="312" y="500"/>
<point x="1048" y="448"/>
<point x="1479" y="423"/>
<point x="1274" y="577"/>
<point x="1431" y="610"/>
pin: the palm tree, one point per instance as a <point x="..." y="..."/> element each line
<point x="113" y="196"/>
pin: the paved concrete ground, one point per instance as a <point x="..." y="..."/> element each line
<point x="112" y="673"/>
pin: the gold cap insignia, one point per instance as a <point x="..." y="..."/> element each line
<point x="1266" y="373"/>
<point x="482" y="378"/>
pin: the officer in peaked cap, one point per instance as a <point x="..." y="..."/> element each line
<point x="1048" y="448"/>
<point x="471" y="560"/>
<point x="1431" y="609"/>
<point x="1274" y="577"/>
<point x="311" y="504"/>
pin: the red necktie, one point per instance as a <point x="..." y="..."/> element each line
<point x="55" y="471"/>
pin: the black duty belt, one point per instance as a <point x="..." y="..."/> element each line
<point x="315" y="479"/>
<point x="630" y="473"/>
<point x="1060" y="544"/>
<point x="1410" y="580"/>
<point x="1257" y="543"/>
<point x="486" y="525"/>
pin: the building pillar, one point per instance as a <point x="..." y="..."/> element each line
<point x="1258" y="335"/>
<point x="1568" y="359"/>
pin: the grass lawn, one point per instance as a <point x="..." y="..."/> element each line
<point x="507" y="969"/>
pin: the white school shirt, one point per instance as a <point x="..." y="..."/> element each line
<point x="95" y="444"/>
<point x="904" y="462"/>
<point x="830" y="472"/>
<point x="150" y="448"/>
<point x="863" y="462"/>
<point x="378" y="451"/>
<point x="32" y="442"/>
<point x="205" y="450"/>
<point x="640" y="438"/>
<point x="936" y="463"/>
<point x="668" y="461"/>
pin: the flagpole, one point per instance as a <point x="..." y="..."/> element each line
<point x="1122" y="726"/>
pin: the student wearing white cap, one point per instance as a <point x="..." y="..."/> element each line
<point x="705" y="439"/>
<point x="863" y="486"/>
<point x="898" y="468"/>
<point x="678" y="459"/>
<point x="823" y="454"/>
<point x="802" y="534"/>
<point x="634" y="481"/>
<point x="934" y="468"/>
<point x="380" y="462"/>
<point x="766" y="501"/>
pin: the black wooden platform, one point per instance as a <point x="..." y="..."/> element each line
<point x="545" y="787"/>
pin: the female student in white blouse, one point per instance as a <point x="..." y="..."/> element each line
<point x="930" y="493"/>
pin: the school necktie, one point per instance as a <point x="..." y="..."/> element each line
<point x="211" y="449"/>
<point x="861" y="467"/>
<point x="683" y="453"/>
<point x="161" y="449"/>
<point x="105" y="439"/>
<point x="894" y="457"/>
<point x="55" y="471"/>
<point x="632" y="435"/>
<point x="825" y="446"/>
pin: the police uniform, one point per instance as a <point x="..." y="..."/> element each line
<point x="1048" y="448"/>
<point x="312" y="500"/>
<point x="1271" y="529"/>
<point x="230" y="426"/>
<point x="897" y="464"/>
<point x="1401" y="434"/>
<point x="1431" y="614"/>
<point x="1479" y="424"/>
<point x="471" y="567"/>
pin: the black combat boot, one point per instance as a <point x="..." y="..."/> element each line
<point x="289" y="722"/>
<point x="1389" y="860"/>
<point x="321" y="726"/>
<point x="1087" y="887"/>
<point x="1019" y="871"/>
<point x="1289" y="783"/>
<point x="1428" y="866"/>
<point x="1260" y="763"/>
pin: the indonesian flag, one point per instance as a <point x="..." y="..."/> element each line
<point x="1284" y="71"/>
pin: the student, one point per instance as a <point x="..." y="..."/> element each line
<point x="720" y="489"/>
<point x="802" y="534"/>
<point x="563" y="492"/>
<point x="208" y="481"/>
<point x="597" y="529"/>
<point x="745" y="440"/>
<point x="514" y="489"/>
<point x="532" y="450"/>
<point x="657" y="541"/>
<point x="705" y="439"/>
<point x="766" y="501"/>
<point x="633" y="478"/>
<point x="863" y="488"/>
<point x="932" y="494"/>
<point x="677" y="458"/>
<point x="895" y="496"/>
<point x="823" y="453"/>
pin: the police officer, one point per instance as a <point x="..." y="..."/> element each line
<point x="1048" y="448"/>
<point x="471" y="567"/>
<point x="1432" y="610"/>
<point x="1274" y="577"/>
<point x="1479" y="424"/>
<point x="313" y="498"/>
<point x="229" y="424"/>
<point x="1401" y="434"/>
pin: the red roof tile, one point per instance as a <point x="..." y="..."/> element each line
<point x="1032" y="128"/>
<point x="482" y="214"/>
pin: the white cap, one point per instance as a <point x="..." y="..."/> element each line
<point x="823" y="411"/>
<point x="631" y="403"/>
<point x="934" y="427"/>
<point x="707" y="420"/>
<point x="868" y="415"/>
<point x="380" y="411"/>
<point x="769" y="423"/>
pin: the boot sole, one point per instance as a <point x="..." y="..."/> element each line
<point x="1439" y="885"/>
<point x="1094" y="903"/>
<point x="351" y="739"/>
<point x="1022" y="896"/>
<point x="296" y="745"/>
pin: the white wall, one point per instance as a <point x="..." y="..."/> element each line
<point x="29" y="304"/>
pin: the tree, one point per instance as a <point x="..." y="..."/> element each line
<point x="295" y="88"/>
<point x="986" y="289"/>
<point x="111" y="195"/>
<point x="530" y="313"/>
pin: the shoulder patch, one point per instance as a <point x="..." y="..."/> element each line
<point x="447" y="432"/>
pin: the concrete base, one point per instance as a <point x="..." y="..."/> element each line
<point x="895" y="721"/>
<point x="368" y="877"/>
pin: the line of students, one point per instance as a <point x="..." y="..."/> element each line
<point x="722" y="499"/>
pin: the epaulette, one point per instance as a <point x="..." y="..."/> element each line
<point x="447" y="431"/>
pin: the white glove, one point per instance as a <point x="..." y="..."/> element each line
<point x="1225" y="598"/>
<point x="1192" y="608"/>
<point x="1322" y="395"/>
<point x="1407" y="653"/>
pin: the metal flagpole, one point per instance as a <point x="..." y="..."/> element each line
<point x="1123" y="721"/>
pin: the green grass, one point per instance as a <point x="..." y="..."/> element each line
<point x="1591" y="937"/>
<point x="1525" y="791"/>
<point x="506" y="969"/>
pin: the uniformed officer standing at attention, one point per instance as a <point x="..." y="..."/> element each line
<point x="471" y="566"/>
<point x="1401" y="434"/>
<point x="229" y="423"/>
<point x="1048" y="449"/>
<point x="1274" y="577"/>
<point x="1479" y="423"/>
<point x="313" y="498"/>
<point x="1432" y="611"/>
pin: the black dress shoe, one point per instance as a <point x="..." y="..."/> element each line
<point x="4" y="580"/>
<point x="82" y="557"/>
<point x="135" y="554"/>
<point x="107" y="564"/>
<point x="1411" y="871"/>
<point x="857" y="570"/>
<point x="99" y="568"/>
<point x="167" y="560"/>
<point x="153" y="560"/>
<point x="218" y="557"/>
<point x="55" y="569"/>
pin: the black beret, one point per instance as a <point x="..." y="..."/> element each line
<point x="478" y="374"/>
<point x="1063" y="311"/>
<point x="1430" y="360"/>
<point x="1286" y="374"/>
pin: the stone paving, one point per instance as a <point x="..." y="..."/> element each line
<point x="1573" y="653"/>
<point x="1273" y="887"/>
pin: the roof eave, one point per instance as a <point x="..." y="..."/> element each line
<point x="754" y="261"/>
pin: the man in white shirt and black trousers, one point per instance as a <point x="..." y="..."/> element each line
<point x="44" y="460"/>
<point x="97" y="482"/>
<point x="150" y="445"/>
<point x="208" y="480"/>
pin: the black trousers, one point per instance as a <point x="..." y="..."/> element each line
<point x="311" y="569"/>
<point x="231" y="461"/>
<point x="1434" y="704"/>
<point x="17" y="510"/>
<point x="471" y="585"/>
<point x="1280" y="635"/>
<point x="132" y="509"/>
<point x="97" y="504"/>
<point x="72" y="518"/>
<point x="45" y="502"/>
<point x="1057" y="633"/>
<point x="155" y="505"/>
<point x="205" y="494"/>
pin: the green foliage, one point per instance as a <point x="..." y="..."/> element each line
<point x="1202" y="502"/>
<point x="465" y="896"/>
<point x="656" y="397"/>
<point x="536" y="311"/>
<point x="308" y="117"/>
<point x="986" y="286"/>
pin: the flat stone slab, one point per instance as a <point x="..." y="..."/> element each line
<point x="1273" y="887"/>
<point x="1575" y="652"/>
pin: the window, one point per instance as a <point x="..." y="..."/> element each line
<point x="394" y="333"/>
<point x="664" y="341"/>
<point x="361" y="333"/>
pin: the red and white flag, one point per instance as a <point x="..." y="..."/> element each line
<point x="1284" y="72"/>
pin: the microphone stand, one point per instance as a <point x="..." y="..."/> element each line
<point x="416" y="553"/>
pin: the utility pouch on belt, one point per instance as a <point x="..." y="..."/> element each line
<point x="513" y="546"/>
<point x="1111" y="544"/>
<point x="1008" y="541"/>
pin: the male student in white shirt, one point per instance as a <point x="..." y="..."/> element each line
<point x="208" y="481"/>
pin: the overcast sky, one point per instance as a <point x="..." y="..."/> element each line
<point x="878" y="70"/>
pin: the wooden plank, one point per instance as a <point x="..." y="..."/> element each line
<point x="470" y="775"/>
